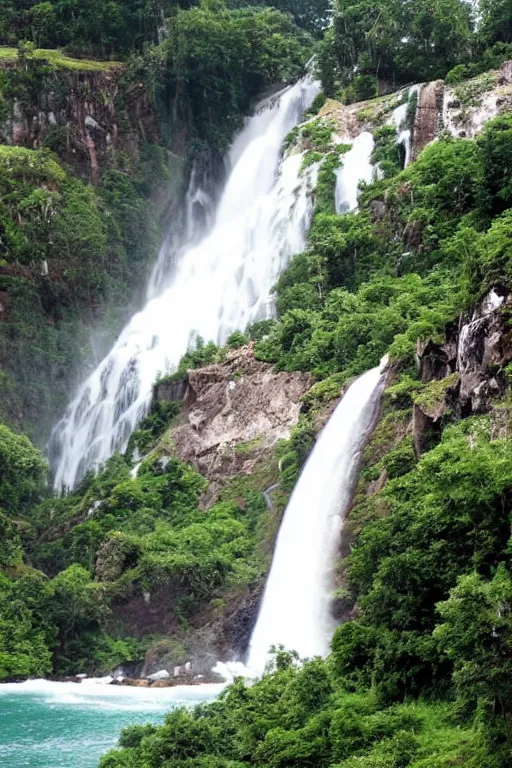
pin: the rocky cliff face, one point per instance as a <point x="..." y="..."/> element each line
<point x="468" y="371"/>
<point x="236" y="411"/>
<point x="462" y="110"/>
<point x="82" y="114"/>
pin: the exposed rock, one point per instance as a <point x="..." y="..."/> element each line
<point x="465" y="374"/>
<point x="343" y="116"/>
<point x="484" y="348"/>
<point x="162" y="674"/>
<point x="432" y="361"/>
<point x="238" y="623"/>
<point x="167" y="391"/>
<point x="427" y="120"/>
<point x="81" y="110"/>
<point x="135" y="683"/>
<point x="237" y="410"/>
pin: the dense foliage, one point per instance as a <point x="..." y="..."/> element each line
<point x="69" y="253"/>
<point x="365" y="51"/>
<point x="305" y="717"/>
<point x="215" y="61"/>
<point x="420" y="675"/>
<point x="119" y="27"/>
<point x="367" y="285"/>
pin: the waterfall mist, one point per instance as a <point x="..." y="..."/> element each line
<point x="215" y="286"/>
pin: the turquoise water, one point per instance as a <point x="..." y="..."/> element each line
<point x="69" y="725"/>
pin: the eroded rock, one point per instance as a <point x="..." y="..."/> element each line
<point x="427" y="120"/>
<point x="237" y="410"/>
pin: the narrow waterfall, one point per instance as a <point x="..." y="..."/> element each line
<point x="356" y="167"/>
<point x="295" y="611"/>
<point x="398" y="119"/>
<point x="218" y="285"/>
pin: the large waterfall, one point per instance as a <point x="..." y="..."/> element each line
<point x="295" y="611"/>
<point x="218" y="285"/>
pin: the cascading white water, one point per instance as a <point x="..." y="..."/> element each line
<point x="398" y="119"/>
<point x="219" y="285"/>
<point x="295" y="611"/>
<point x="355" y="167"/>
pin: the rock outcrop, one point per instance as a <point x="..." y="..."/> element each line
<point x="235" y="412"/>
<point x="427" y="119"/>
<point x="82" y="114"/>
<point x="461" y="110"/>
<point x="466" y="372"/>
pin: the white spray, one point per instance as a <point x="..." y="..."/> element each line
<point x="356" y="167"/>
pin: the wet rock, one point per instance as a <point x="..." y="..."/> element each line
<point x="239" y="622"/>
<point x="466" y="372"/>
<point x="432" y="361"/>
<point x="484" y="348"/>
<point x="427" y="120"/>
<point x="168" y="391"/>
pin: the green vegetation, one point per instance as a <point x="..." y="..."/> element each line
<point x="420" y="676"/>
<point x="366" y="285"/>
<point x="214" y="62"/>
<point x="67" y="249"/>
<point x="303" y="717"/>
<point x="364" y="50"/>
<point x="59" y="60"/>
<point x="74" y="560"/>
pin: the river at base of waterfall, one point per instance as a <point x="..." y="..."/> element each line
<point x="45" y="724"/>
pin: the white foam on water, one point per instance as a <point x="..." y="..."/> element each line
<point x="296" y="608"/>
<point x="100" y="695"/>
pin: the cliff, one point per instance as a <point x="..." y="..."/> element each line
<point x="84" y="111"/>
<point x="73" y="256"/>
<point x="235" y="415"/>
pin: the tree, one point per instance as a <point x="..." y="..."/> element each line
<point x="22" y="472"/>
<point x="476" y="635"/>
<point x="23" y="649"/>
<point x="496" y="21"/>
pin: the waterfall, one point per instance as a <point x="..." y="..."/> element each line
<point x="295" y="611"/>
<point x="356" y="167"/>
<point x="217" y="285"/>
<point x="398" y="119"/>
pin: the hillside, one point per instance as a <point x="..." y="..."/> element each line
<point x="158" y="558"/>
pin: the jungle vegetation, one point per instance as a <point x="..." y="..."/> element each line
<point x="421" y="677"/>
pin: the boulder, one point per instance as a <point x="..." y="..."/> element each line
<point x="162" y="674"/>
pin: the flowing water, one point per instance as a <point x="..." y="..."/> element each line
<point x="295" y="611"/>
<point x="216" y="286"/>
<point x="399" y="120"/>
<point x="59" y="725"/>
<point x="355" y="167"/>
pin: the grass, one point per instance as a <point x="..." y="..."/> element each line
<point x="245" y="449"/>
<point x="33" y="163"/>
<point x="60" y="61"/>
<point x="442" y="743"/>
